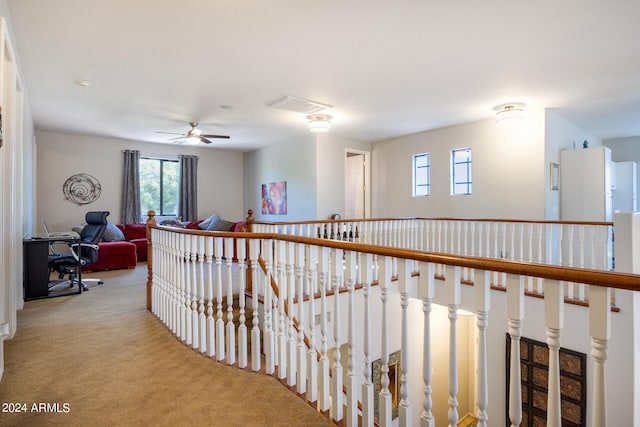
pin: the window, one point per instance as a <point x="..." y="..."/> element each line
<point x="461" y="171"/>
<point x="421" y="174"/>
<point x="159" y="186"/>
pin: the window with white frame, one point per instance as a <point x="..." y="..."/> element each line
<point x="461" y="179"/>
<point x="159" y="185"/>
<point x="421" y="174"/>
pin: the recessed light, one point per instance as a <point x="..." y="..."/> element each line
<point x="83" y="83"/>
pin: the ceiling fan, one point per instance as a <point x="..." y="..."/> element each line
<point x="194" y="135"/>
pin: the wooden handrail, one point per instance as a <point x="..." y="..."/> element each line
<point x="571" y="274"/>
<point x="410" y="218"/>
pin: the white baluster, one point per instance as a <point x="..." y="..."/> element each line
<point x="312" y="358"/>
<point x="291" y="336"/>
<point x="268" y="340"/>
<point x="202" y="318"/>
<point x="453" y="300"/>
<point x="384" y="398"/>
<point x="323" y="365"/>
<point x="231" y="329"/>
<point x="194" y="286"/>
<point x="254" y="251"/>
<point x="352" y="397"/>
<point x="554" y="321"/>
<point x="301" y="380"/>
<point x="426" y="291"/>
<point x="183" y="328"/>
<point x="219" y="322"/>
<point x="242" y="328"/>
<point x="515" y="312"/>
<point x="404" y="282"/>
<point x="282" y="317"/>
<point x="570" y="285"/>
<point x="336" y="367"/>
<point x="367" y="385"/>
<point x="482" y="294"/>
<point x="600" y="331"/>
<point x="211" y="330"/>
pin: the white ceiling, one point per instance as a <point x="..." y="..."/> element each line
<point x="388" y="68"/>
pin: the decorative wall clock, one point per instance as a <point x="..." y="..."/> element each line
<point x="81" y="189"/>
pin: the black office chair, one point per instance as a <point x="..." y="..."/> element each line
<point x="83" y="253"/>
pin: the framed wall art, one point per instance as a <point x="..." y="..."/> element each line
<point x="274" y="198"/>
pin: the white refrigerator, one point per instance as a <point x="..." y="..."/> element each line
<point x="585" y="185"/>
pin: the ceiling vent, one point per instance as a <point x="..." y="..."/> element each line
<point x="299" y="105"/>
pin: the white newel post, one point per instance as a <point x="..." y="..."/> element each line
<point x="554" y="321"/>
<point x="384" y="398"/>
<point x="482" y="294"/>
<point x="312" y="358"/>
<point x="367" y="385"/>
<point x="202" y="318"/>
<point x="515" y="312"/>
<point x="219" y="321"/>
<point x="301" y="354"/>
<point x="211" y="329"/>
<point x="352" y="396"/>
<point x="405" y="270"/>
<point x="254" y="252"/>
<point x="336" y="367"/>
<point x="231" y="329"/>
<point x="323" y="366"/>
<point x="600" y="331"/>
<point x="242" y="328"/>
<point x="453" y="301"/>
<point x="426" y="291"/>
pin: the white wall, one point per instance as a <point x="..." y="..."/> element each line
<point x="560" y="134"/>
<point x="16" y="191"/>
<point x="293" y="162"/>
<point x="508" y="171"/>
<point x="330" y="178"/>
<point x="59" y="156"/>
<point x="314" y="170"/>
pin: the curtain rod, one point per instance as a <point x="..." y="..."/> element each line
<point x="161" y="156"/>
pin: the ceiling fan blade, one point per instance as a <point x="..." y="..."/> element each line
<point x="205" y="140"/>
<point x="179" y="137"/>
<point x="170" y="133"/>
<point x="216" y="136"/>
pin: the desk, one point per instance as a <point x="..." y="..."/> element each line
<point x="36" y="265"/>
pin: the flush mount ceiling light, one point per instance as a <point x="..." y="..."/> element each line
<point x="508" y="113"/>
<point x="319" y="122"/>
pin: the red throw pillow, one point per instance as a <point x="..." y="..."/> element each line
<point x="135" y="231"/>
<point x="193" y="225"/>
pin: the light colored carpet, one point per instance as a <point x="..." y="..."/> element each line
<point x="109" y="361"/>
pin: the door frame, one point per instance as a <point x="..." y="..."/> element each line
<point x="367" y="178"/>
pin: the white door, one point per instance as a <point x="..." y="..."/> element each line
<point x="354" y="186"/>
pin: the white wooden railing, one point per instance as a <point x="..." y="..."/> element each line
<point x="378" y="299"/>
<point x="572" y="244"/>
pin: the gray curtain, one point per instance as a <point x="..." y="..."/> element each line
<point x="131" y="206"/>
<point x="188" y="194"/>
